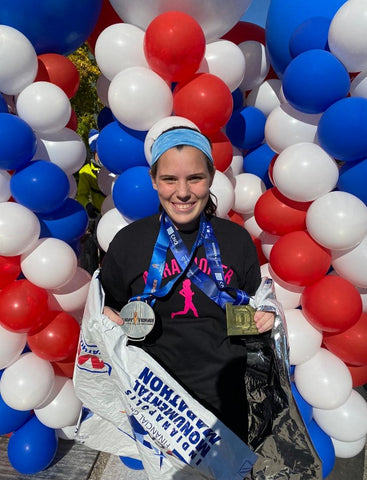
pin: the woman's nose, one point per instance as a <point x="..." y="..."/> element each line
<point x="183" y="190"/>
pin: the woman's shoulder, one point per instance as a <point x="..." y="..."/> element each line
<point x="226" y="227"/>
<point x="137" y="231"/>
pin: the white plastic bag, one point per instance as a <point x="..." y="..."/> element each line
<point x="137" y="409"/>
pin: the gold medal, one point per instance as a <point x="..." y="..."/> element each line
<point x="240" y="320"/>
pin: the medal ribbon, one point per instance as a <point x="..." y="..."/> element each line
<point x="214" y="287"/>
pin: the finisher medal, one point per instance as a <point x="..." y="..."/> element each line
<point x="240" y="320"/>
<point x="138" y="319"/>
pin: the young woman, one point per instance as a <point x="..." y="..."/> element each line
<point x="187" y="264"/>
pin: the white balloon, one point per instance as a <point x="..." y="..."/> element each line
<point x="248" y="189"/>
<point x="257" y="64"/>
<point x="138" y="97"/>
<point x="11" y="346"/>
<point x="5" y="192"/>
<point x="50" y="263"/>
<point x="73" y="186"/>
<point x="225" y="60"/>
<point x="110" y="223"/>
<point x="105" y="180"/>
<point x="64" y="148"/>
<point x="304" y="339"/>
<point x="324" y="381"/>
<point x="288" y="295"/>
<point x="19" y="229"/>
<point x="337" y="220"/>
<point x="161" y="126"/>
<point x="363" y="293"/>
<point x="348" y="449"/>
<point x="304" y="172"/>
<point x="266" y="96"/>
<point x="236" y="166"/>
<point x="347" y="422"/>
<point x="346" y="38"/>
<point x="286" y="126"/>
<point x="120" y="46"/>
<point x="102" y="86"/>
<point x="107" y="204"/>
<point x="267" y="242"/>
<point x="67" y="433"/>
<point x="352" y="264"/>
<point x="27" y="382"/>
<point x="215" y="16"/>
<point x="64" y="407"/>
<point x="358" y="86"/>
<point x="73" y="295"/>
<point x="222" y="189"/>
<point x="18" y="60"/>
<point x="44" y="106"/>
<point x="251" y="225"/>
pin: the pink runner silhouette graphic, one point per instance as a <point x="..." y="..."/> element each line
<point x="187" y="293"/>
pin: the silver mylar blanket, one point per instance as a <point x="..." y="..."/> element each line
<point x="133" y="407"/>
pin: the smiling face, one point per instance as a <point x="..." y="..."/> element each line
<point x="182" y="180"/>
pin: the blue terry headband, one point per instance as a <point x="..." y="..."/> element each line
<point x="180" y="136"/>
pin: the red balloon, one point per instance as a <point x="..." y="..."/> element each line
<point x="359" y="375"/>
<point x="331" y="304"/>
<point x="22" y="305"/>
<point x="205" y="100"/>
<point x="222" y="150"/>
<point x="244" y="31"/>
<point x="174" y="45"/>
<point x="350" y="345"/>
<point x="58" y="339"/>
<point x="59" y="70"/>
<point x="73" y="122"/>
<point x="64" y="368"/>
<point x="236" y="218"/>
<point x="278" y="215"/>
<point x="107" y="17"/>
<point x="9" y="270"/>
<point x="297" y="259"/>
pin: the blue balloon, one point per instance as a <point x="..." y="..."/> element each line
<point x="18" y="143"/>
<point x="32" y="447"/>
<point x="257" y="161"/>
<point x="323" y="446"/>
<point x="237" y="96"/>
<point x="105" y="117"/>
<point x="67" y="223"/>
<point x="41" y="186"/>
<point x="314" y="80"/>
<point x="132" y="463"/>
<point x="133" y="194"/>
<point x="312" y="33"/>
<point x="3" y="105"/>
<point x="11" y="419"/>
<point x="52" y="26"/>
<point x="120" y="148"/>
<point x="342" y="129"/>
<point x="305" y="409"/>
<point x="245" y="129"/>
<point x="284" y="16"/>
<point x="352" y="179"/>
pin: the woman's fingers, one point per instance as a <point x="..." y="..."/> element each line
<point x="112" y="315"/>
<point x="264" y="321"/>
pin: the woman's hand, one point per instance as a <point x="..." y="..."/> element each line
<point x="112" y="315"/>
<point x="264" y="321"/>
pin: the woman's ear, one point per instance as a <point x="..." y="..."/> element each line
<point x="212" y="177"/>
<point x="153" y="180"/>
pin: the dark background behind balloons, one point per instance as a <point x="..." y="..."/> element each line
<point x="58" y="26"/>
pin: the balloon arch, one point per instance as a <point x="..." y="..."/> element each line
<point x="285" y="107"/>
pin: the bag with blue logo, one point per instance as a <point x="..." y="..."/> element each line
<point x="133" y="407"/>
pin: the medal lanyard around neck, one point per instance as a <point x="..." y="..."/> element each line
<point x="215" y="288"/>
